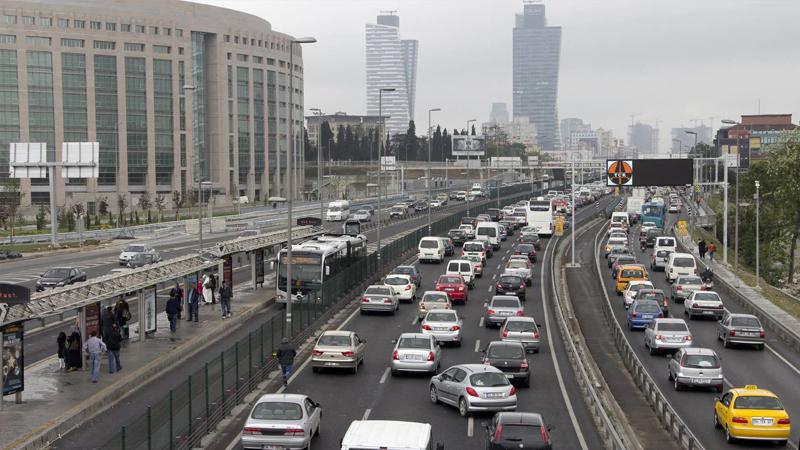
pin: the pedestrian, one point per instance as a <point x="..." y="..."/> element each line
<point x="200" y="282"/>
<point x="94" y="347"/>
<point x="701" y="248"/>
<point x="61" y="340"/>
<point x="225" y="296"/>
<point x="122" y="312"/>
<point x="193" y="302"/>
<point x="114" y="343"/>
<point x="208" y="291"/>
<point x="213" y="285"/>
<point x="107" y="319"/>
<point x="710" y="249"/>
<point x="172" y="309"/>
<point x="179" y="293"/>
<point x="74" y="361"/>
<point x="285" y="355"/>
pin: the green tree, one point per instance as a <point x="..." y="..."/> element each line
<point x="178" y="199"/>
<point x="10" y="199"/>
<point x="103" y="208"/>
<point x="784" y="169"/>
<point x="411" y="143"/>
<point x="145" y="203"/>
<point x="40" y="218"/>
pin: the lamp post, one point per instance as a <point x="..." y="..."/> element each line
<point x="318" y="112"/>
<point x="290" y="183"/>
<point x="380" y="169"/>
<point x="430" y="179"/>
<point x="738" y="167"/>
<point x="757" y="198"/>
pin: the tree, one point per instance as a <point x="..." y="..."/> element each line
<point x="784" y="169"/>
<point x="75" y="213"/>
<point x="122" y="206"/>
<point x="161" y="205"/>
<point x="326" y="141"/>
<point x="473" y="129"/>
<point x="40" y="218"/>
<point x="178" y="200"/>
<point x="145" y="203"/>
<point x="10" y="200"/>
<point x="103" y="207"/>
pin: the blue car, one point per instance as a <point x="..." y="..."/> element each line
<point x="641" y="313"/>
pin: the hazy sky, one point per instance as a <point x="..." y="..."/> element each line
<point x="663" y="60"/>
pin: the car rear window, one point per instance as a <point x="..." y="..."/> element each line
<point x="689" y="280"/>
<point x="745" y="322"/>
<point x="505" y="303"/>
<point x="415" y="342"/>
<point x="662" y="253"/>
<point x="525" y="248"/>
<point x="473" y="247"/>
<point x="706" y="296"/>
<point x="624" y="259"/>
<point x="438" y="297"/>
<point x="520" y="326"/>
<point x="488" y="379"/>
<point x="277" y="411"/>
<point x="517" y="264"/>
<point x="655" y="296"/>
<point x="505" y="352"/>
<point x="632" y="273"/>
<point x="429" y="243"/>
<point x="510" y="279"/>
<point x="375" y="290"/>
<point x="672" y="326"/>
<point x="683" y="262"/>
<point x="701" y="361"/>
<point x="665" y="242"/>
<point x="450" y="280"/>
<point x="440" y="317"/>
<point x="404" y="270"/>
<point x="648" y="307"/>
<point x="396" y="281"/>
<point x="334" y="341"/>
<point x="757" y="402"/>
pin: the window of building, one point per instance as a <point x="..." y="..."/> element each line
<point x="126" y="27"/>
<point x="46" y="21"/>
<point x="37" y="40"/>
<point x="111" y="26"/>
<point x="260" y="43"/>
<point x="165" y="49"/>
<point x="95" y="25"/>
<point x="77" y="43"/>
<point x="8" y="39"/>
<point x="9" y="20"/>
<point x="63" y="23"/>
<point x="178" y="32"/>
<point x="180" y="50"/>
<point x="241" y="58"/>
<point x="105" y="86"/>
<point x="153" y="30"/>
<point x="229" y="56"/>
<point x="79" y="23"/>
<point x="270" y="61"/>
<point x="140" y="28"/>
<point x="236" y="39"/>
<point x="28" y="20"/>
<point x="105" y="45"/>
<point x="167" y="31"/>
<point x="282" y="63"/>
<point x="227" y="38"/>
<point x="258" y="59"/>
<point x="134" y="47"/>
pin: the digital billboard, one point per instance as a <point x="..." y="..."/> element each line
<point x="468" y="145"/>
<point x="649" y="172"/>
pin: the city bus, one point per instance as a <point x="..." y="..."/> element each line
<point x="653" y="212"/>
<point x="315" y="261"/>
<point x="540" y="215"/>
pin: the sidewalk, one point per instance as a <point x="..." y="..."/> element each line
<point x="54" y="401"/>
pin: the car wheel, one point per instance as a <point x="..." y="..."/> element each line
<point x="719" y="336"/>
<point x="434" y="395"/>
<point x="462" y="407"/>
<point x="393" y="373"/>
<point x="728" y="438"/>
<point x="760" y="346"/>
<point x="669" y="375"/>
<point x="718" y="388"/>
<point x="782" y="442"/>
<point x="315" y="369"/>
<point x="725" y="342"/>
<point x="677" y="385"/>
<point x="716" y="421"/>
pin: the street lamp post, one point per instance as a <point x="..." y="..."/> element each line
<point x="758" y="238"/>
<point x="430" y="179"/>
<point x="380" y="168"/>
<point x="319" y="167"/>
<point x="290" y="183"/>
<point x="694" y="147"/>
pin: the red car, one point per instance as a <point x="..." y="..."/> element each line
<point x="528" y="250"/>
<point x="454" y="286"/>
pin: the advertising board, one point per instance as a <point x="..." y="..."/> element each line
<point x="464" y="145"/>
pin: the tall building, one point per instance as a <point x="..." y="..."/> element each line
<point x="499" y="113"/>
<point x="643" y="138"/>
<point x="753" y="135"/>
<point x="536" y="56"/>
<point x="174" y="92"/>
<point x="391" y="63"/>
<point x="569" y="125"/>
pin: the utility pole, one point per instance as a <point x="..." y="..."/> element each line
<point x="380" y="169"/>
<point x="430" y="178"/>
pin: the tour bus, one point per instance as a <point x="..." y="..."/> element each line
<point x="653" y="212"/>
<point x="338" y="210"/>
<point x="316" y="260"/>
<point x="389" y="434"/>
<point x="540" y="215"/>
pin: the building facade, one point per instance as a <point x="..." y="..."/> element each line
<point x="536" y="56"/>
<point x="391" y="63"/>
<point x="359" y="124"/>
<point x="175" y="93"/>
<point x="752" y="136"/>
<point x="499" y="113"/>
<point x="643" y="137"/>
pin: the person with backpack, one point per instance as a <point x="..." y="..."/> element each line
<point x="285" y="356"/>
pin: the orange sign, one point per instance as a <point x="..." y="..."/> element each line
<point x="620" y="173"/>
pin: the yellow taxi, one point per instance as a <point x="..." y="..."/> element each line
<point x="627" y="273"/>
<point x="752" y="413"/>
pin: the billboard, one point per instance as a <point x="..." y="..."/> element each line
<point x="80" y="159"/>
<point x="388" y="163"/>
<point x="13" y="358"/>
<point x="29" y="153"/>
<point x="649" y="172"/>
<point x="468" y="145"/>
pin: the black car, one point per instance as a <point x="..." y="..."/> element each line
<point x="59" y="276"/>
<point x="457" y="236"/>
<point x="518" y="431"/>
<point x="510" y="226"/>
<point x="421" y="206"/>
<point x="528" y="250"/>
<point x="411" y="271"/>
<point x="652" y="234"/>
<point x="532" y="239"/>
<point x="495" y="214"/>
<point x="510" y="285"/>
<point x="511" y="358"/>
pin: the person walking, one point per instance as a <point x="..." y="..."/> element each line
<point x="701" y="249"/>
<point x="172" y="309"/>
<point x="114" y="343"/>
<point x="193" y="302"/>
<point x="107" y="320"/>
<point x="74" y="360"/>
<point x="122" y="312"/>
<point x="61" y="340"/>
<point x="710" y="249"/>
<point x="95" y="347"/>
<point x="285" y="356"/>
<point x="225" y="296"/>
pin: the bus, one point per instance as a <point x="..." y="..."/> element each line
<point x="315" y="261"/>
<point x="540" y="215"/>
<point x="653" y="212"/>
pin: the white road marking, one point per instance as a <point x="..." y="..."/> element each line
<point x="489" y="289"/>
<point x="480" y="322"/>
<point x="366" y="414"/>
<point x="796" y="370"/>
<point x="414" y="322"/>
<point x="385" y="375"/>
<point x="498" y="266"/>
<point x="470" y="426"/>
<point x="477" y="345"/>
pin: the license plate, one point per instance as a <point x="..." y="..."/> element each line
<point x="494" y="394"/>
<point x="647" y="316"/>
<point x="750" y="334"/>
<point x="274" y="447"/>
<point x="669" y="339"/>
<point x="413" y="357"/>
<point x="708" y="313"/>
<point x="331" y="363"/>
<point x="762" y="421"/>
<point x="441" y="329"/>
<point x="449" y="289"/>
<point x="701" y="381"/>
<point x="505" y="313"/>
<point x="509" y="376"/>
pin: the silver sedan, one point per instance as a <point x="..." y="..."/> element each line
<point x="287" y="421"/>
<point x="379" y="298"/>
<point x="741" y="329"/>
<point x="502" y="307"/>
<point x="444" y="325"/>
<point x="416" y="352"/>
<point x="472" y="388"/>
<point x="338" y="349"/>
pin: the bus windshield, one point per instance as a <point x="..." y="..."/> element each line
<point x="306" y="268"/>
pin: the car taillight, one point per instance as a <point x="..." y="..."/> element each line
<point x="785" y="421"/>
<point x="491" y="312"/>
<point x="364" y="299"/>
<point x="513" y="391"/>
<point x="520" y="313"/>
<point x="524" y="365"/>
<point x="505" y="333"/>
<point x="347" y="353"/>
<point x="687" y="338"/>
<point x="251" y="430"/>
<point x="395" y="356"/>
<point x="732" y="333"/>
<point x="460" y="288"/>
<point x="522" y="286"/>
<point x="739" y="420"/>
<point x="536" y="335"/>
<point x="659" y="337"/>
<point x="293" y="432"/>
<point x="499" y="286"/>
<point x="426" y="327"/>
<point x="679" y="288"/>
<point x="438" y="287"/>
<point x="472" y="392"/>
<point x="387" y="301"/>
<point x="761" y="333"/>
<point x="455" y="328"/>
<point x="430" y="356"/>
<point x="317" y="353"/>
<point x="408" y="288"/>
<point x="545" y="436"/>
<point x="498" y="432"/>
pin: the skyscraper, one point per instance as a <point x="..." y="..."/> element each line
<point x="536" y="55"/>
<point x="391" y="63"/>
<point x="643" y="137"/>
<point x="499" y="113"/>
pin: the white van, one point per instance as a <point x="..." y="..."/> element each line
<point x="464" y="268"/>
<point x="680" y="264"/>
<point x="489" y="231"/>
<point x="667" y="243"/>
<point x="338" y="210"/>
<point x="388" y="434"/>
<point x="620" y="217"/>
<point x="431" y="249"/>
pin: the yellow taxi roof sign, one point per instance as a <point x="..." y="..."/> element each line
<point x="751" y="387"/>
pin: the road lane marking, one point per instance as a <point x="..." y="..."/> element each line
<point x="385" y="375"/>
<point x="498" y="266"/>
<point x="489" y="289"/>
<point x="366" y="414"/>
<point x="480" y="322"/>
<point x="414" y="322"/>
<point x="470" y="426"/>
<point x="477" y="345"/>
<point x="796" y="370"/>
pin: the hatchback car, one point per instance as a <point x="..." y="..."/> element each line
<point x="518" y="431"/>
<point x="659" y="260"/>
<point x="433" y="300"/>
<point x="457" y="236"/>
<point x="510" y="284"/>
<point x="477" y="265"/>
<point x="684" y="286"/>
<point x="640" y="314"/>
<point x="526" y="249"/>
<point x="743" y="329"/>
<point x="628" y="273"/>
<point x="521" y="329"/>
<point x="699" y="367"/>
<point x="511" y="358"/>
<point x="282" y="421"/>
<point x="752" y="413"/>
<point x="403" y="287"/>
<point x="472" y="388"/>
<point x="411" y="271"/>
<point x="522" y="268"/>
<point x="444" y="325"/>
<point x="704" y="304"/>
<point x="338" y="349"/>
<point x="454" y="286"/>
<point x="379" y="298"/>
<point x="500" y="308"/>
<point x="416" y="352"/>
<point x="667" y="334"/>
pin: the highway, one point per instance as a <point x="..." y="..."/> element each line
<point x="375" y="394"/>
<point x="775" y="368"/>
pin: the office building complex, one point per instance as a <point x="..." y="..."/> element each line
<point x="176" y="93"/>
<point x="536" y="56"/>
<point x="643" y="138"/>
<point x="499" y="113"/>
<point x="391" y="63"/>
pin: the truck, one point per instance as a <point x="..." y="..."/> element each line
<point x="635" y="202"/>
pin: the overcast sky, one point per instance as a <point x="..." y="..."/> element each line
<point x="669" y="61"/>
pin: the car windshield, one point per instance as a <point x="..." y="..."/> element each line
<point x="665" y="242"/>
<point x="689" y="280"/>
<point x="525" y="248"/>
<point x="520" y="326"/>
<point x="701" y="361"/>
<point x="404" y="270"/>
<point x="456" y="233"/>
<point x="440" y="317"/>
<point x="450" y="280"/>
<point x="510" y="280"/>
<point x="662" y="254"/>
<point x="624" y="259"/>
<point x="473" y="247"/>
<point x="757" y="402"/>
<point x="57" y="273"/>
<point x="706" y="296"/>
<point x="517" y="264"/>
<point x="415" y="342"/>
<point x="396" y="281"/>
<point x="488" y="379"/>
<point x="429" y="243"/>
<point x="745" y="322"/>
<point x="647" y="308"/>
<point x="639" y="287"/>
<point x="505" y="351"/>
<point x="632" y="273"/>
<point x="334" y="340"/>
<point x="683" y="262"/>
<point x="376" y="290"/>
<point x="277" y="411"/>
<point x="135" y="248"/>
<point x="672" y="326"/>
<point x="505" y="303"/>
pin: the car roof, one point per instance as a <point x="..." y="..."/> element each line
<point x="638" y="282"/>
<point x="62" y="267"/>
<point x="399" y="275"/>
<point x="698" y="351"/>
<point x="505" y="344"/>
<point x="749" y="316"/>
<point x="294" y="398"/>
<point x="477" y="368"/>
<point x="380" y="285"/>
<point x="453" y="275"/>
<point x="336" y="333"/>
<point x="645" y="302"/>
<point x="437" y="293"/>
<point x="631" y="266"/>
<point x="390" y="433"/>
<point x="505" y="297"/>
<point x="752" y="389"/>
<point x="406" y="267"/>
<point x="416" y="335"/>
<point x="520" y="319"/>
<point x="522" y="418"/>
<point x="669" y="320"/>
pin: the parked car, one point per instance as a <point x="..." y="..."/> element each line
<point x="511" y="284"/>
<point x="379" y="298"/>
<point x="131" y="250"/>
<point x="521" y="329"/>
<point x="472" y="388"/>
<point x="10" y="254"/>
<point x="338" y="349"/>
<point x="416" y="352"/>
<point x="640" y="314"/>
<point x="454" y="286"/>
<point x="500" y="308"/>
<point x="59" y="276"/>
<point x="444" y="325"/>
<point x="433" y="300"/>
<point x="705" y="304"/>
<point x="667" y="334"/>
<point x="403" y="287"/>
<point x="411" y="271"/>
<point x="698" y="367"/>
<point x="282" y="421"/>
<point x="511" y="358"/>
<point x="743" y="329"/>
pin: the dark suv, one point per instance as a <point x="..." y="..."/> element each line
<point x="510" y="285"/>
<point x="511" y="358"/>
<point x="494" y="214"/>
<point x="457" y="236"/>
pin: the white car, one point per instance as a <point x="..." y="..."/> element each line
<point x="131" y="251"/>
<point x="704" y="304"/>
<point x="521" y="268"/>
<point x="468" y="229"/>
<point x="403" y="287"/>
<point x="435" y="203"/>
<point x="629" y="294"/>
<point x="362" y="215"/>
<point x="282" y="421"/>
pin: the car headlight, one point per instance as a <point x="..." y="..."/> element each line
<point x="61" y="283"/>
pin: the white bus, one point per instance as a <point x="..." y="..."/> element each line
<point x="338" y="210"/>
<point x="540" y="215"/>
<point x="315" y="261"/>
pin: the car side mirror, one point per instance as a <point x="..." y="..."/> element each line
<point x="394" y="341"/>
<point x="716" y="399"/>
<point x="41" y="274"/>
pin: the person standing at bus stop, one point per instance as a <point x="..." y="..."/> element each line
<point x="94" y="347"/>
<point x="172" y="309"/>
<point x="225" y="296"/>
